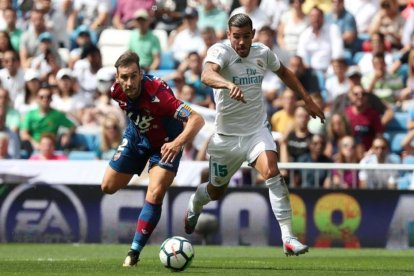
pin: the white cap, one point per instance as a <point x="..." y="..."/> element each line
<point x="31" y="74"/>
<point x="64" y="72"/>
<point x="106" y="74"/>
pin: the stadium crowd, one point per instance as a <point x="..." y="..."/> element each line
<point x="354" y="57"/>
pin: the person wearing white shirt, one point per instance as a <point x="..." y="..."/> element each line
<point x="12" y="75"/>
<point x="258" y="16"/>
<point x="320" y="43"/>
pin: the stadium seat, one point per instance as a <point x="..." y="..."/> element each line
<point x="167" y="61"/>
<point x="84" y="142"/>
<point x="162" y="73"/>
<point x="163" y="37"/>
<point x="113" y="43"/>
<point x="81" y="155"/>
<point x="357" y="57"/>
<point x="398" y="123"/>
<point x="395" y="139"/>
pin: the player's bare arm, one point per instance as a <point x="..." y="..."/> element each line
<point x="169" y="151"/>
<point x="211" y="77"/>
<point x="293" y="83"/>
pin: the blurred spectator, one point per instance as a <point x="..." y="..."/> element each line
<point x="123" y="17"/>
<point x="315" y="178"/>
<point x="85" y="70"/>
<point x="274" y="9"/>
<point x="408" y="31"/>
<point x="258" y="16"/>
<point x="296" y="142"/>
<point x="103" y="102"/>
<point x="47" y="60"/>
<point x="12" y="115"/>
<point x="404" y="56"/>
<point x="187" y="93"/>
<point x="345" y="179"/>
<point x="377" y="45"/>
<point x="306" y="75"/>
<point x="13" y="142"/>
<point x="389" y="22"/>
<point x="363" y="12"/>
<point x="67" y="99"/>
<point x="189" y="38"/>
<point x="46" y="151"/>
<point x="44" y="119"/>
<point x="365" y="121"/>
<point x="83" y="38"/>
<point x="293" y="22"/>
<point x="30" y="40"/>
<point x="337" y="127"/>
<point x="12" y="75"/>
<point x="109" y="139"/>
<point x="386" y="86"/>
<point x="338" y="83"/>
<point x="10" y="16"/>
<point x="144" y="42"/>
<point x="343" y="101"/>
<point x="346" y="23"/>
<point x="209" y="37"/>
<point x="282" y="120"/>
<point x="5" y="45"/>
<point x="190" y="152"/>
<point x="192" y="68"/>
<point x="4" y="4"/>
<point x="211" y="16"/>
<point x="320" y="43"/>
<point x="378" y="179"/>
<point x="28" y="100"/>
<point x="169" y="14"/>
<point x="324" y="5"/>
<point x="92" y="13"/>
<point x="55" y="20"/>
<point x="4" y="145"/>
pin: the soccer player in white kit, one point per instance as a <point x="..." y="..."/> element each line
<point x="235" y="70"/>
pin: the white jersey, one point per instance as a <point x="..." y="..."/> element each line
<point x="234" y="117"/>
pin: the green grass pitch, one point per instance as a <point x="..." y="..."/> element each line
<point x="97" y="259"/>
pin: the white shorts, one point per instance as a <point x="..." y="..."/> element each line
<point x="227" y="153"/>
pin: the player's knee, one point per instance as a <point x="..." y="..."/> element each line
<point x="107" y="188"/>
<point x="270" y="172"/>
<point x="155" y="195"/>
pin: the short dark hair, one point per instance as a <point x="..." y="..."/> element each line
<point x="240" y="20"/>
<point x="127" y="58"/>
<point x="89" y="49"/>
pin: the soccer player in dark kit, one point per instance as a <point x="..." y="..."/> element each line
<point x="159" y="126"/>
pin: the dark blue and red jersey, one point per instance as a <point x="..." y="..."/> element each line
<point x="156" y="114"/>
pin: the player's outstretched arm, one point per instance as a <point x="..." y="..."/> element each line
<point x="293" y="83"/>
<point x="211" y="77"/>
<point x="170" y="150"/>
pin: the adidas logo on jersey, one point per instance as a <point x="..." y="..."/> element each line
<point x="155" y="99"/>
<point x="239" y="60"/>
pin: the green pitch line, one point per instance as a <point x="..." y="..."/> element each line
<point x="87" y="259"/>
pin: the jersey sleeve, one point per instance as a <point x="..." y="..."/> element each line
<point x="273" y="62"/>
<point x="217" y="54"/>
<point x="118" y="95"/>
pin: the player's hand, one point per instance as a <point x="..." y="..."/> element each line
<point x="314" y="110"/>
<point x="169" y="152"/>
<point x="237" y="94"/>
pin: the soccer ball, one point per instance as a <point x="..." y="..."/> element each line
<point x="176" y="253"/>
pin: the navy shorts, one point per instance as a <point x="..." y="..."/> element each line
<point x="134" y="152"/>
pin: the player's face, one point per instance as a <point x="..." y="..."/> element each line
<point x="129" y="77"/>
<point x="241" y="39"/>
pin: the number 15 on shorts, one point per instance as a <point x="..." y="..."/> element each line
<point x="220" y="170"/>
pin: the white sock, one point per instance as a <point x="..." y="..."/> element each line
<point x="199" y="199"/>
<point x="279" y="199"/>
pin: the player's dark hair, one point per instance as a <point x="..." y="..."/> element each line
<point x="240" y="20"/>
<point x="126" y="59"/>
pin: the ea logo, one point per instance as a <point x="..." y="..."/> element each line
<point x="42" y="213"/>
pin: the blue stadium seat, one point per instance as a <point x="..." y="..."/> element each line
<point x="395" y="139"/>
<point x="162" y="73"/>
<point x="84" y="142"/>
<point x="357" y="57"/>
<point x="398" y="123"/>
<point x="81" y="155"/>
<point x="167" y="61"/>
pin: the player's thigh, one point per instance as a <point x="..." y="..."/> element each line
<point x="159" y="181"/>
<point x="226" y="157"/>
<point x="113" y="180"/>
<point x="262" y="153"/>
